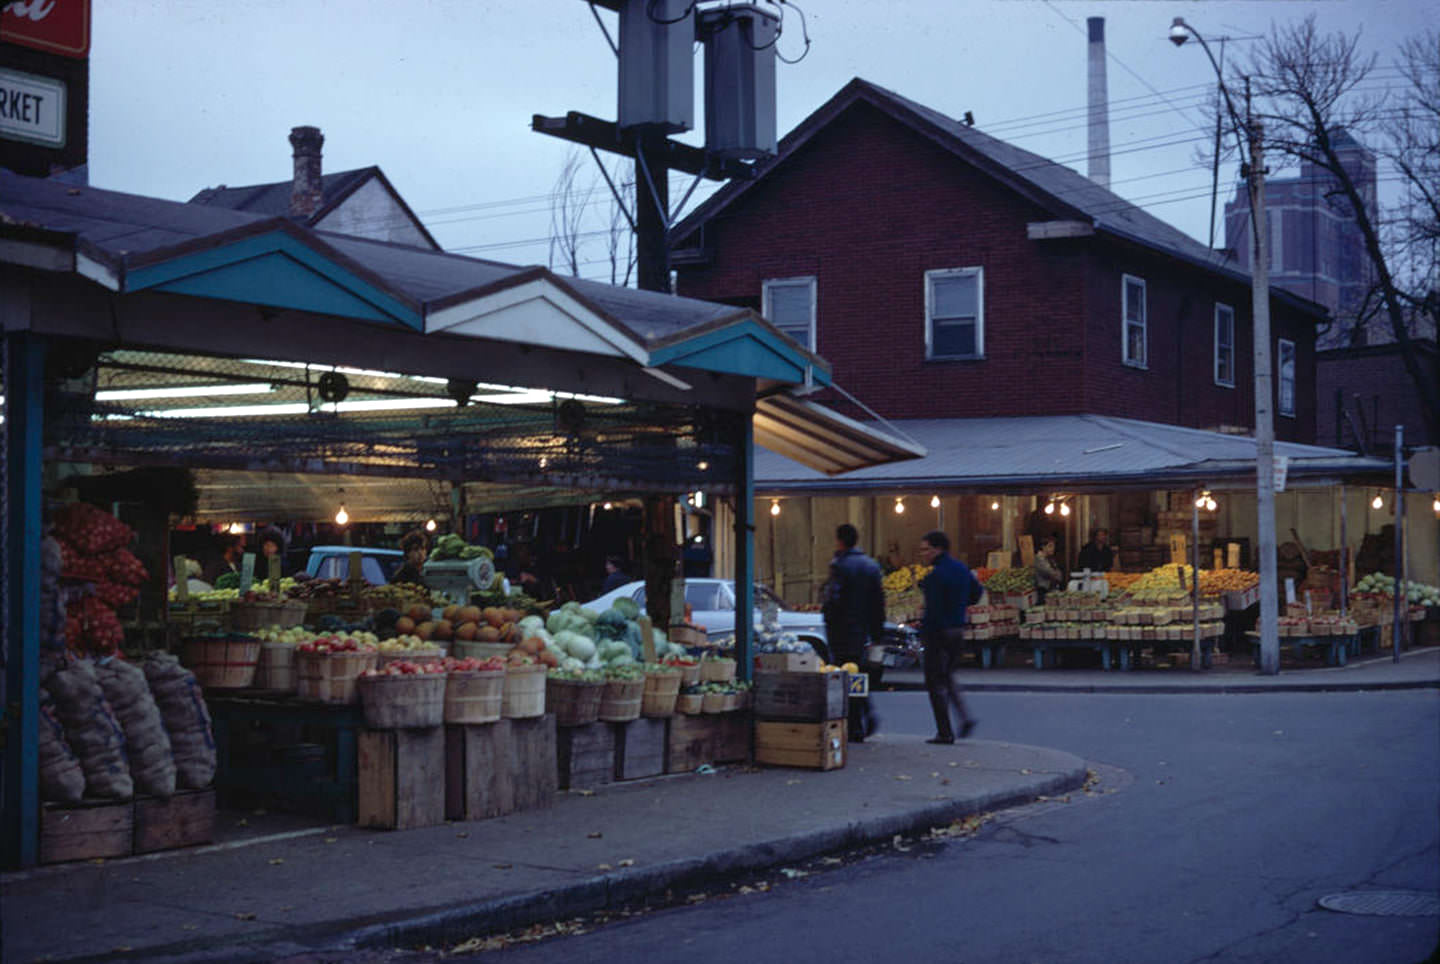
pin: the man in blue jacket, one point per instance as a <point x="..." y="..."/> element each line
<point x="854" y="613"/>
<point x="949" y="588"/>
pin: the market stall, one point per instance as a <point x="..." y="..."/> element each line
<point x="225" y="342"/>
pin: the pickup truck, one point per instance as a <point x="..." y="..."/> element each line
<point x="333" y="562"/>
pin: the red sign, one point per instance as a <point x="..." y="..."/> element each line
<point x="55" y="26"/>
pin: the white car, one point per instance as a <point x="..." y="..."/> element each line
<point x="712" y="607"/>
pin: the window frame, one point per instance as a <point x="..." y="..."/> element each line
<point x="1143" y="363"/>
<point x="937" y="274"/>
<point x="1280" y="345"/>
<point x="809" y="280"/>
<point x="1224" y="383"/>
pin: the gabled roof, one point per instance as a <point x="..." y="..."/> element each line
<point x="1066" y="193"/>
<point x="273" y="199"/>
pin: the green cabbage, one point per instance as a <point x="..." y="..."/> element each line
<point x="627" y="607"/>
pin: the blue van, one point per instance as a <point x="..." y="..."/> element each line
<point x="333" y="562"/>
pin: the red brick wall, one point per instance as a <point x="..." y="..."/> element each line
<point x="868" y="206"/>
<point x="1387" y="393"/>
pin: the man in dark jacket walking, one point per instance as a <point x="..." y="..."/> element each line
<point x="949" y="588"/>
<point x="854" y="611"/>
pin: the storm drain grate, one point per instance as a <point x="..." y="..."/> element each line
<point x="1384" y="903"/>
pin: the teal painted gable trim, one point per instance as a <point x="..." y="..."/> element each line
<point x="276" y="270"/>
<point x="743" y="349"/>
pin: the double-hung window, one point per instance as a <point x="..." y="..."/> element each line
<point x="955" y="313"/>
<point x="1287" y="377"/>
<point x="790" y="306"/>
<point x="1134" y="337"/>
<point x="1224" y="345"/>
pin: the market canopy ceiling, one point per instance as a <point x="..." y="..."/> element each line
<point x="137" y="246"/>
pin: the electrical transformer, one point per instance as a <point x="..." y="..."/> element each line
<point x="739" y="80"/>
<point x="657" y="65"/>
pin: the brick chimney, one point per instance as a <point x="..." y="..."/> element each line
<point x="306" y="194"/>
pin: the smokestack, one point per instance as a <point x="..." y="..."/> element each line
<point x="1099" y="140"/>
<point x="305" y="192"/>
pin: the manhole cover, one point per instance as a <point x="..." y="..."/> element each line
<point x="1384" y="903"/>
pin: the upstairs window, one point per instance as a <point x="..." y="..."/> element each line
<point x="790" y="306"/>
<point x="1287" y="377"/>
<point x="955" y="313"/>
<point x="1134" y="337"/>
<point x="1224" y="345"/>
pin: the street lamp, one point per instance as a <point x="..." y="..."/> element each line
<point x="1253" y="171"/>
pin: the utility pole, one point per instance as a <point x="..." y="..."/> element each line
<point x="1264" y="416"/>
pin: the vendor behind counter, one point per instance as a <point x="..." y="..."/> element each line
<point x="416" y="547"/>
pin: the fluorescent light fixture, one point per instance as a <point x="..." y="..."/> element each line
<point x="183" y="391"/>
<point x="529" y="396"/>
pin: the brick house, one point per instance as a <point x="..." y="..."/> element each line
<point x="947" y="274"/>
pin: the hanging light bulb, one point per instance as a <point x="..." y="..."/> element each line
<point x="1049" y="508"/>
<point x="1200" y="502"/>
<point x="1436" y="504"/>
<point x="1378" y="502"/>
<point x="607" y="506"/>
<point x="702" y="465"/>
<point x="774" y="506"/>
<point x="430" y="525"/>
<point x="899" y="506"/>
<point x="934" y="502"/>
<point x="342" y="516"/>
<point x="1064" y="508"/>
<point x="237" y="528"/>
<point x="995" y="506"/>
<point x="1210" y="503"/>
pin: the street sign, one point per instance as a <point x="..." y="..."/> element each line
<point x="32" y="108"/>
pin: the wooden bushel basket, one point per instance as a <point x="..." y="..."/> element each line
<point x="621" y="700"/>
<point x="276" y="669"/>
<point x="524" y="693"/>
<point x="691" y="704"/>
<point x="403" y="702"/>
<point x="662" y="691"/>
<point x="714" y="702"/>
<point x="717" y="670"/>
<point x="474" y="697"/>
<point x="330" y="677"/>
<point x="223" y="663"/>
<point x="245" y="616"/>
<point x="575" y="702"/>
<point x="386" y="657"/>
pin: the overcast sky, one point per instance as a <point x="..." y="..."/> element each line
<point x="439" y="93"/>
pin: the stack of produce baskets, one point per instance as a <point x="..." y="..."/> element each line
<point x="575" y="700"/>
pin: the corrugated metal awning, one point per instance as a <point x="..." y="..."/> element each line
<point x="823" y="439"/>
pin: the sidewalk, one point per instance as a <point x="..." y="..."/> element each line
<point x="1417" y="669"/>
<point x="344" y="886"/>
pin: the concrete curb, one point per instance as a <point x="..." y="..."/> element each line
<point x="611" y="890"/>
<point x="1179" y="689"/>
<point x="451" y="924"/>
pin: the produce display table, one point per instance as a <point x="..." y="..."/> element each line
<point x="1337" y="648"/>
<point x="335" y="792"/>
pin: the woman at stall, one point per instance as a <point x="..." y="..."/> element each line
<point x="416" y="548"/>
<point x="1047" y="572"/>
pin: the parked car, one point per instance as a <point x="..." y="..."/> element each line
<point x="333" y="562"/>
<point x="712" y="606"/>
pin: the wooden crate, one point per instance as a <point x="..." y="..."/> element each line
<point x="640" y="747"/>
<point x="800" y="697"/>
<point x="402" y="778"/>
<point x="585" y="756"/>
<point x="817" y="746"/>
<point x="697" y="740"/>
<point x="789" y="662"/>
<point x="86" y="831"/>
<point x="477" y="771"/>
<point x="185" y="820"/>
<point x="533" y="767"/>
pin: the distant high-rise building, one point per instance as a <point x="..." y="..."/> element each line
<point x="1316" y="249"/>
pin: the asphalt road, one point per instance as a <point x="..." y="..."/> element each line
<point x="1217" y="823"/>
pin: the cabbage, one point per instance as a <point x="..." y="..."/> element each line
<point x="578" y="645"/>
<point x="531" y="622"/>
<point x="571" y="665"/>
<point x="627" y="607"/>
<point x="538" y="632"/>
<point x="623" y="659"/>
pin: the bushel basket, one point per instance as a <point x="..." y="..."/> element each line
<point x="276" y="671"/>
<point x="330" y="677"/>
<point x="402" y="702"/>
<point x="223" y="662"/>
<point x="662" y="690"/>
<point x="524" y="695"/>
<point x="474" y="696"/>
<point x="245" y="616"/>
<point x="621" y="700"/>
<point x="575" y="702"/>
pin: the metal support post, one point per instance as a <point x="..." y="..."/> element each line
<point x="1195" y="587"/>
<point x="23" y="437"/>
<point x="1401" y="598"/>
<point x="1344" y="556"/>
<point x="745" y="550"/>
